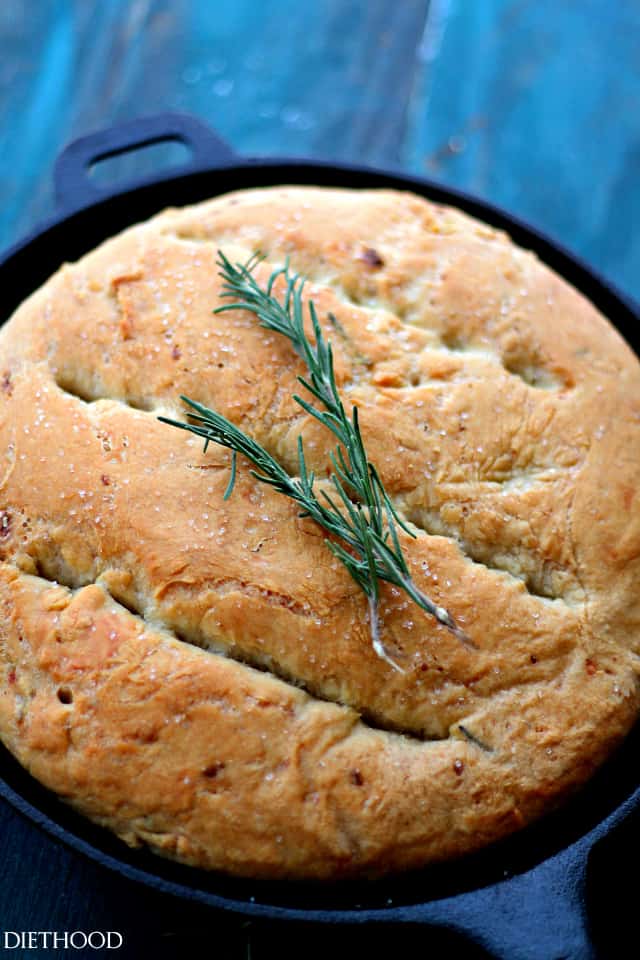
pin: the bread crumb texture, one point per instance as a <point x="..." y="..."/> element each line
<point x="198" y="675"/>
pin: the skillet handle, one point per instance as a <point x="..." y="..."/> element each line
<point x="539" y="915"/>
<point x="73" y="187"/>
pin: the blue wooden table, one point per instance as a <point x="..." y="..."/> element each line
<point x="534" y="106"/>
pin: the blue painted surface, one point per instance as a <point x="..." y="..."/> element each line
<point x="536" y="106"/>
<point x="533" y="105"/>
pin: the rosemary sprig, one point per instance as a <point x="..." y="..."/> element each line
<point x="359" y="513"/>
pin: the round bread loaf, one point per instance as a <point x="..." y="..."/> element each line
<point x="197" y="674"/>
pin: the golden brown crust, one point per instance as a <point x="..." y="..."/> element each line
<point x="503" y="413"/>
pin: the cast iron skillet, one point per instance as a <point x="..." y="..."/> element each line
<point x="521" y="899"/>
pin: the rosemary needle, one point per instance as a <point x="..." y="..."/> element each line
<point x="358" y="512"/>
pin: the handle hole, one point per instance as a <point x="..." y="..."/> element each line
<point x="145" y="160"/>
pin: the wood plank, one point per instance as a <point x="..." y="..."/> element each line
<point x="535" y="106"/>
<point x="331" y="80"/>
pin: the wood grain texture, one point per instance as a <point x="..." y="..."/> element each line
<point x="534" y="105"/>
<point x="332" y="80"/>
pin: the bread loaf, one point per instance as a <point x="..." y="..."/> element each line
<point x="197" y="675"/>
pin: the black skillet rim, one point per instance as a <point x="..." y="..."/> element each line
<point x="598" y="807"/>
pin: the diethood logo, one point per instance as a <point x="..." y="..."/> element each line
<point x="52" y="940"/>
